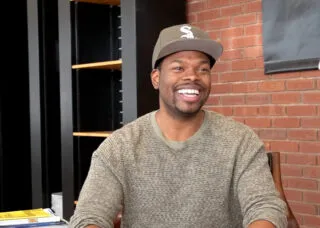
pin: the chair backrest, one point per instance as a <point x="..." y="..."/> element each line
<point x="274" y="163"/>
<point x="117" y="221"/>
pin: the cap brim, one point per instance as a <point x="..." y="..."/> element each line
<point x="209" y="47"/>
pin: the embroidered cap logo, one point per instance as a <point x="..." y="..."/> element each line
<point x="187" y="32"/>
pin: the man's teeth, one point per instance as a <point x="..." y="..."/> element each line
<point x="188" y="91"/>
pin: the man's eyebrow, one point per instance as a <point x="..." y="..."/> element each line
<point x="176" y="61"/>
<point x="205" y="61"/>
<point x="202" y="61"/>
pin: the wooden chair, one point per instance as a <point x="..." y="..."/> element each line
<point x="274" y="163"/>
<point x="117" y="221"/>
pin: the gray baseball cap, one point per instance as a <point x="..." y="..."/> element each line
<point x="185" y="37"/>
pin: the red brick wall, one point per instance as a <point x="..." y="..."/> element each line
<point x="284" y="109"/>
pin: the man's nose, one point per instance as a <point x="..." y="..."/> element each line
<point x="192" y="75"/>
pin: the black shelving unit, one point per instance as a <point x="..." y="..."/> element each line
<point x="120" y="37"/>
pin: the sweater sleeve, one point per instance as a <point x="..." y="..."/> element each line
<point x="100" y="197"/>
<point x="258" y="197"/>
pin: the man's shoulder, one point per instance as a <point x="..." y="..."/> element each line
<point x="132" y="130"/>
<point x="217" y="120"/>
<point x="126" y="137"/>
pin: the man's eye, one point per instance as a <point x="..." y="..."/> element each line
<point x="205" y="70"/>
<point x="178" y="68"/>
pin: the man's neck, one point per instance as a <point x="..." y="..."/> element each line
<point x="178" y="129"/>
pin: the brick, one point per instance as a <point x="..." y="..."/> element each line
<point x="218" y="23"/>
<point x="311" y="98"/>
<point x="312" y="73"/>
<point x="208" y="15"/>
<point x="195" y="7"/>
<point x="256" y="130"/>
<point x="245" y="111"/>
<point x="231" y="10"/>
<point x="213" y="100"/>
<point x="259" y="60"/>
<point x="243" y="64"/>
<point x="255" y="29"/>
<point x="312" y="221"/>
<point x="200" y="24"/>
<point x="227" y="111"/>
<point x="311" y="172"/>
<point x="318" y="83"/>
<point x="255" y="6"/>
<point x="218" y="3"/>
<point x="232" y="54"/>
<point x="244" y="19"/>
<point x="252" y="52"/>
<point x="233" y="100"/>
<point x="302" y="134"/>
<point x="272" y="110"/>
<point x="227" y="44"/>
<point x="302" y="110"/>
<point x="215" y="35"/>
<point x="214" y="77"/>
<point x="284" y="146"/>
<point x="299" y="218"/>
<point x="294" y="195"/>
<point x="304" y="208"/>
<point x="277" y="134"/>
<point x="310" y="122"/>
<point x="259" y="17"/>
<point x="267" y="146"/>
<point x="256" y="75"/>
<point x="238" y="1"/>
<point x="221" y="88"/>
<point x="258" y="122"/>
<point x="258" y="99"/>
<point x="284" y="182"/>
<point x="286" y="75"/>
<point x="222" y="67"/>
<point x="231" y="77"/>
<point x="271" y="86"/>
<point x="244" y="87"/>
<point x="244" y="41"/>
<point x="300" y="84"/>
<point x="310" y="147"/>
<point x="302" y="183"/>
<point x="301" y="159"/>
<point x="283" y="158"/>
<point x="286" y="98"/>
<point x="238" y="119"/>
<point x="231" y="32"/>
<point x="286" y="122"/>
<point x="191" y="18"/>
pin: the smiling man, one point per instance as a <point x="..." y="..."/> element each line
<point x="181" y="165"/>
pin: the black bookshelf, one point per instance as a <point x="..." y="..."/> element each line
<point x="94" y="99"/>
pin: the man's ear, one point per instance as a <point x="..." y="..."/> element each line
<point x="155" y="74"/>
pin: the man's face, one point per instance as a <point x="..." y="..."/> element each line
<point x="184" y="82"/>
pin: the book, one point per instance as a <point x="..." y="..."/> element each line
<point x="60" y="224"/>
<point x="31" y="216"/>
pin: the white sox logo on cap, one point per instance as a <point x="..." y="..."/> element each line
<point x="187" y="32"/>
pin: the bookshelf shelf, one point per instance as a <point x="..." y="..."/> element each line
<point x="107" y="65"/>
<point x="93" y="134"/>
<point x="106" y="2"/>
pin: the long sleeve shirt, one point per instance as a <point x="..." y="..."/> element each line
<point x="219" y="177"/>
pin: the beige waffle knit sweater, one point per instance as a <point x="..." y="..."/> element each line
<point x="217" y="178"/>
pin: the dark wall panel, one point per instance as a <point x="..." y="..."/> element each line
<point x="15" y="177"/>
<point x="291" y="35"/>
